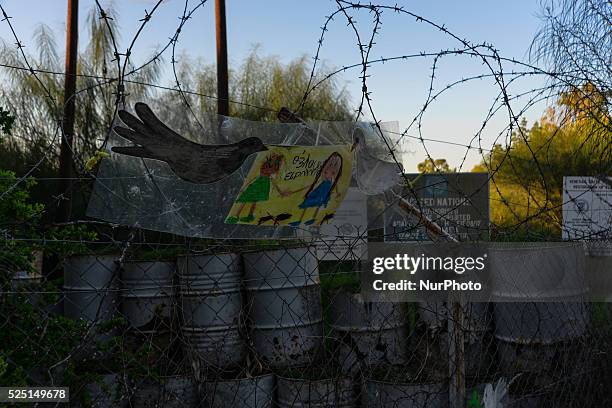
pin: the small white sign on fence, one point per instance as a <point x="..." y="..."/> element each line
<point x="345" y="236"/>
<point x="587" y="208"/>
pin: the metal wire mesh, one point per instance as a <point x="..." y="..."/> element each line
<point x="137" y="318"/>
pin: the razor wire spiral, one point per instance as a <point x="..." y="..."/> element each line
<point x="139" y="318"/>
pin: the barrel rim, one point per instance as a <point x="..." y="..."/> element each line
<point x="430" y="383"/>
<point x="283" y="326"/>
<point x="537" y="341"/>
<point x="330" y="379"/>
<point x="286" y="285"/>
<point x="235" y="380"/>
<point x="368" y="329"/>
<point x="255" y="251"/>
<point x="93" y="254"/>
<point x="197" y="254"/>
<point x="129" y="262"/>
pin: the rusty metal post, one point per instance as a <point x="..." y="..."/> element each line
<point x="65" y="164"/>
<point x="455" y="317"/>
<point x="222" y="74"/>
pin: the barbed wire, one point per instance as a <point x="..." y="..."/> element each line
<point x="171" y="343"/>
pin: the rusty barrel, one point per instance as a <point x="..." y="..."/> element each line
<point x="332" y="392"/>
<point x="540" y="293"/>
<point x="146" y="291"/>
<point x="368" y="334"/>
<point x="253" y="392"/>
<point x="284" y="305"/>
<point x="168" y="392"/>
<point x="405" y="395"/>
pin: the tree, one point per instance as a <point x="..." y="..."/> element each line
<point x="434" y="166"/>
<point x="575" y="43"/>
<point x="36" y="105"/>
<point x="574" y="137"/>
<point x="6" y="121"/>
<point x="527" y="175"/>
<point x="259" y="87"/>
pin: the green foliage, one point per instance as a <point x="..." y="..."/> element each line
<point x="35" y="105"/>
<point x="475" y="401"/>
<point x="3" y="366"/>
<point x="259" y="82"/>
<point x="19" y="219"/>
<point x="69" y="240"/>
<point x="14" y="206"/>
<point x="6" y="121"/>
<point x="32" y="340"/>
<point x="434" y="166"/>
<point x="527" y="176"/>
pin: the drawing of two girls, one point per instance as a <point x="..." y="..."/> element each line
<point x="317" y="195"/>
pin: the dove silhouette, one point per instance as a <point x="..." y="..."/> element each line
<point x="193" y="162"/>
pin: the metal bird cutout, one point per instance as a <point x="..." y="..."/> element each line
<point x="190" y="161"/>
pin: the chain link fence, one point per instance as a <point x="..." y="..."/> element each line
<point x="254" y="324"/>
<point x="131" y="318"/>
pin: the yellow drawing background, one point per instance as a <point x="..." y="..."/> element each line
<point x="276" y="204"/>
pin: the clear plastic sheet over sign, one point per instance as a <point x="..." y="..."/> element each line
<point x="146" y="194"/>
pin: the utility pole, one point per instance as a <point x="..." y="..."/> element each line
<point x="222" y="75"/>
<point x="65" y="164"/>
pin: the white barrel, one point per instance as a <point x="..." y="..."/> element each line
<point x="211" y="305"/>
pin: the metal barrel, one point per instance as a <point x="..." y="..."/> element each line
<point x="539" y="289"/>
<point x="368" y="333"/>
<point x="255" y="392"/>
<point x="107" y="392"/>
<point x="170" y="392"/>
<point x="405" y="395"/>
<point x="211" y="304"/>
<point x="146" y="291"/>
<point x="27" y="278"/>
<point x="91" y="287"/>
<point x="284" y="305"/>
<point x="28" y="281"/>
<point x="599" y="271"/>
<point x="298" y="392"/>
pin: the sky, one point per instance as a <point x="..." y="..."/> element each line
<point x="289" y="29"/>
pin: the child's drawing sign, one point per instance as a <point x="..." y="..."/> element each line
<point x="293" y="185"/>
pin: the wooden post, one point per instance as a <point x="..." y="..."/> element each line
<point x="456" y="352"/>
<point x="222" y="74"/>
<point x="65" y="164"/>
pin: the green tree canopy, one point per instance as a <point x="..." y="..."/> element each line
<point x="571" y="139"/>
<point x="434" y="166"/>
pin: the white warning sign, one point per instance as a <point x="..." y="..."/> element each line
<point x="587" y="208"/>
